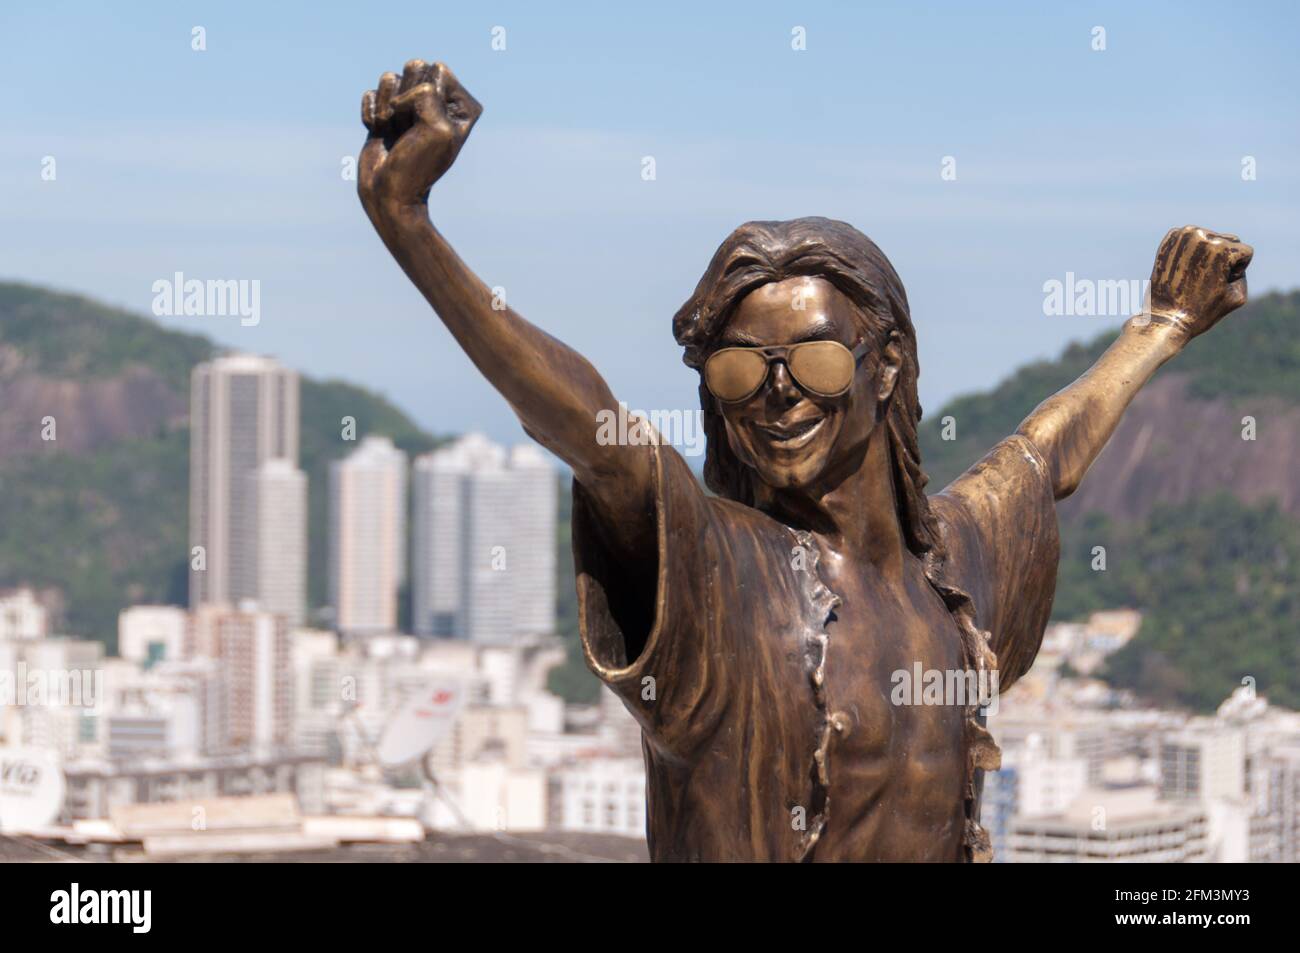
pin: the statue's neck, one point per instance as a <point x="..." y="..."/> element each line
<point x="854" y="514"/>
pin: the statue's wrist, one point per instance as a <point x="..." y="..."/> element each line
<point x="404" y="212"/>
<point x="1165" y="330"/>
<point x="395" y="217"/>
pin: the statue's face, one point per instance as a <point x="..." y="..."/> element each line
<point x="791" y="437"/>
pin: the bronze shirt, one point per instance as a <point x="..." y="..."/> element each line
<point x="741" y="734"/>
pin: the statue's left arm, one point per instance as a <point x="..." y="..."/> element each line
<point x="1199" y="277"/>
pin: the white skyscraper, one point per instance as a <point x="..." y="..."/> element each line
<point x="279" y="513"/>
<point x="438" y="545"/>
<point x="483" y="559"/>
<point x="243" y="414"/>
<point x="368" y="536"/>
<point x="532" y="567"/>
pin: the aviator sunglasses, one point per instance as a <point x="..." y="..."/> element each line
<point x="824" y="368"/>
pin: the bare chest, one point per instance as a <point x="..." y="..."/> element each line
<point x="893" y="736"/>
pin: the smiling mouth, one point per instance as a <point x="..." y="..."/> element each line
<point x="793" y="436"/>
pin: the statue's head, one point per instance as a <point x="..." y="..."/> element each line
<point x="802" y="420"/>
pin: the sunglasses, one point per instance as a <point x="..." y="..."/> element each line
<point x="824" y="368"/>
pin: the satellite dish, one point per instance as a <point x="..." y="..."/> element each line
<point x="421" y="722"/>
<point x="31" y="789"/>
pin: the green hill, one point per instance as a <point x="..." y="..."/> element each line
<point x="108" y="526"/>
<point x="1219" y="586"/>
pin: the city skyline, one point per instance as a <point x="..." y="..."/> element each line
<point x="248" y="505"/>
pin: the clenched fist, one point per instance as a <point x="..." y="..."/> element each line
<point x="1199" y="276"/>
<point x="417" y="125"/>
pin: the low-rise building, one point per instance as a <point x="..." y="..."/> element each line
<point x="1121" y="826"/>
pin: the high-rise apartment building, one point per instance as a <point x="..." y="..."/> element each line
<point x="483" y="548"/>
<point x="368" y="537"/>
<point x="279" y="514"/>
<point x="257" y="677"/>
<point x="532" y="556"/>
<point x="244" y="415"/>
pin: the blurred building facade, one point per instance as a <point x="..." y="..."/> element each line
<point x="483" y="549"/>
<point x="368" y="537"/>
<point x="243" y="416"/>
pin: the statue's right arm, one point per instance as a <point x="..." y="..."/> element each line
<point x="417" y="125"/>
<point x="1198" y="278"/>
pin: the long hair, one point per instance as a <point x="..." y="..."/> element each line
<point x="757" y="253"/>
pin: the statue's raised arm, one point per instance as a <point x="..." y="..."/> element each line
<point x="418" y="123"/>
<point x="1199" y="276"/>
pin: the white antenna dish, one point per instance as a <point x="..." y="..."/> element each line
<point x="421" y="722"/>
<point x="31" y="789"/>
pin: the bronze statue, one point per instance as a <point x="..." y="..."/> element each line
<point x="754" y="633"/>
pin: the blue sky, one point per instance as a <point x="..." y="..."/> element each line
<point x="226" y="163"/>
